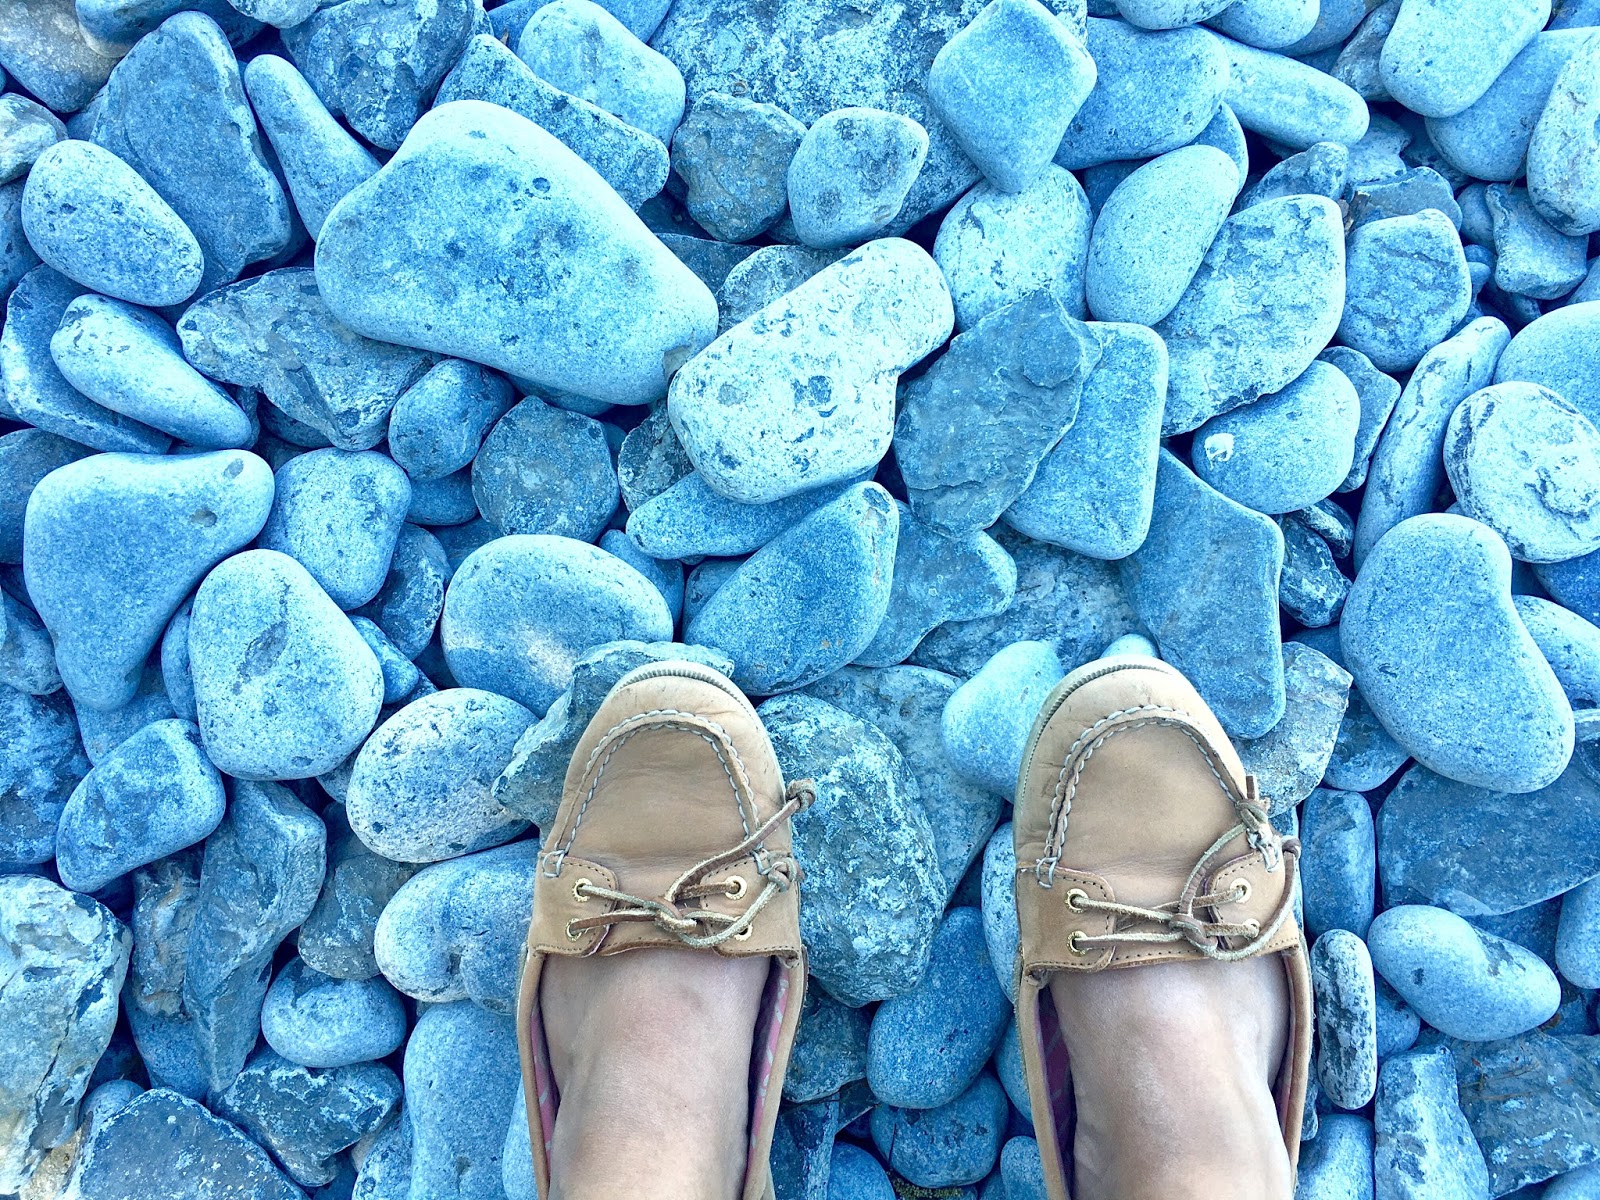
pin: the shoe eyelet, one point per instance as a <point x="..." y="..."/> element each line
<point x="1075" y="943"/>
<point x="743" y="935"/>
<point x="572" y="934"/>
<point x="737" y="887"/>
<point x="1254" y="927"/>
<point x="1076" y="898"/>
<point x="1241" y="889"/>
<point x="579" y="890"/>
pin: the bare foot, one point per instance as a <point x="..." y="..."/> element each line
<point x="651" y="1053"/>
<point x="1173" y="1067"/>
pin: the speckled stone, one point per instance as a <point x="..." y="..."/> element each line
<point x="850" y="175"/>
<point x="1289" y="760"/>
<point x="1338" y="862"/>
<point x="1347" y="1040"/>
<point x="951" y="1146"/>
<point x="1406" y="288"/>
<point x="1564" y="153"/>
<point x="1425" y="1149"/>
<point x="986" y="720"/>
<point x="1290" y="102"/>
<point x="1532" y="258"/>
<point x="40" y="767"/>
<point x="1440" y="57"/>
<point x="542" y="470"/>
<point x="733" y="154"/>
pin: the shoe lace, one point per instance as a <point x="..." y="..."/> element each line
<point x="701" y="928"/>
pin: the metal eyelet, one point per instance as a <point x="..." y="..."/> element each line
<point x="1254" y="927"/>
<point x="1241" y="888"/>
<point x="572" y="934"/>
<point x="744" y="934"/>
<point x="1075" y="943"/>
<point x="737" y="887"/>
<point x="1076" y="898"/>
<point x="578" y="890"/>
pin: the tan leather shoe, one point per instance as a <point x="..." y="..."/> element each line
<point x="673" y="831"/>
<point x="1140" y="840"/>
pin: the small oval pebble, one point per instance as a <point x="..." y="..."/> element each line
<point x="319" y="1021"/>
<point x="1441" y="55"/>
<point x="985" y="723"/>
<point x="542" y="470"/>
<point x="1347" y="1038"/>
<point x="1406" y="288"/>
<point x="438" y="423"/>
<point x="851" y="173"/>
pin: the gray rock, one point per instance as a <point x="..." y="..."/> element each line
<point x="47" y="53"/>
<point x="1532" y="258"/>
<point x="1319" y="170"/>
<point x="1347" y="1032"/>
<point x="318" y="1021"/>
<point x="1289" y="760"/>
<point x="542" y="470"/>
<point x="26" y="457"/>
<point x="850" y="175"/>
<point x="1378" y="393"/>
<point x="408" y="605"/>
<point x="1564" y="153"/>
<point x="733" y="155"/>
<point x="1425" y="1149"/>
<point x="830" y="1049"/>
<point x="40" y="766"/>
<point x="761" y="278"/>
<point x="439" y="422"/>
<point x="461" y="1080"/>
<point x="336" y="939"/>
<point x="165" y="893"/>
<point x="27" y="658"/>
<point x="688" y="520"/>
<point x="1406" y="287"/>
<point x="985" y="723"/>
<point x="1290" y="102"/>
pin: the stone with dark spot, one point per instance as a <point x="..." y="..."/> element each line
<point x="41" y="763"/>
<point x="543" y="470"/>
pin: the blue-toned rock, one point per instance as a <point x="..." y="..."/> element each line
<point x="1347" y="1045"/>
<point x="986" y="721"/>
<point x="1443" y="660"/>
<point x="1154" y="91"/>
<point x="1581" y="1183"/>
<point x="1338" y="862"/>
<point x="1464" y="982"/>
<point x="316" y="1020"/>
<point x="40" y="765"/>
<point x="872" y="895"/>
<point x="1007" y="86"/>
<point x="1527" y="464"/>
<point x="336" y="939"/>
<point x="103" y="732"/>
<point x="1564" y="153"/>
<point x="830" y="1049"/>
<point x="385" y="1172"/>
<point x="175" y="111"/>
<point x="408" y="605"/>
<point x="446" y="501"/>
<point x="66" y="957"/>
<point x="1378" y="393"/>
<point x="554" y="593"/>
<point x="1406" y="288"/>
<point x="1439" y="57"/>
<point x="1290" y="102"/>
<point x="950" y="1146"/>
<point x="1398" y="1026"/>
<point x="1093" y="493"/>
<point x="1207" y="556"/>
<point x="756" y="281"/>
<point x="439" y="422"/>
<point x="928" y="1045"/>
<point x="1337" y="1163"/>
<point x="543" y="470"/>
<point x="46" y="52"/>
<point x="321" y="162"/>
<point x="421" y="787"/>
<point x="1434" y="840"/>
<point x="1312" y="589"/>
<point x="853" y="1174"/>
<point x="27" y="657"/>
<point x="1266" y="300"/>
<point x="1532" y="258"/>
<point x="996" y="247"/>
<point x="112" y="27"/>
<point x="850" y="175"/>
<point x="816" y="372"/>
<point x="131" y="361"/>
<point x="1153" y="231"/>
<point x="26" y="457"/>
<point x="263" y="869"/>
<point x="91" y="217"/>
<point x="689" y="520"/>
<point x="112" y="545"/>
<point x="733" y="154"/>
<point x="1319" y="170"/>
<point x="400" y="674"/>
<point x="1285" y="451"/>
<point x="154" y="795"/>
<point x="165" y="894"/>
<point x="1411" y="192"/>
<point x="1578" y="939"/>
<point x="1424" y="1147"/>
<point x="461" y="1081"/>
<point x="998" y="891"/>
<point x="1289" y="759"/>
<point x="275" y="333"/>
<point x="841" y="560"/>
<point x="1560" y="351"/>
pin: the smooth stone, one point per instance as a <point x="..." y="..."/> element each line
<point x="998" y="896"/>
<point x="154" y="795"/>
<point x="1337" y="1163"/>
<point x="27" y="656"/>
<point x="973" y="429"/>
<point x="521" y="611"/>
<point x="850" y="174"/>
<point x="1434" y="643"/>
<point x="938" y="578"/>
<point x="461" y="1081"/>
<point x="1154" y="230"/>
<point x="131" y="361"/>
<point x="1154" y="91"/>
<point x="545" y="471"/>
<point x="700" y="584"/>
<point x="1289" y="759"/>
<point x="1225" y="133"/>
<point x="531" y="782"/>
<point x="66" y="959"/>
<point x="853" y="1174"/>
<point x="872" y="895"/>
<point x="1464" y="982"/>
<point x="285" y="688"/>
<point x="1440" y="57"/>
<point x="1007" y="87"/>
<point x="830" y="1049"/>
<point x="1378" y="393"/>
<point x="113" y="544"/>
<point x="1347" y="1032"/>
<point x="951" y="1146"/>
<point x="438" y="424"/>
<point x="1268" y="24"/>
<point x="733" y="155"/>
<point x="1288" y="101"/>
<point x="906" y="705"/>
<point x="630" y="160"/>
<point x="1434" y="842"/>
<point x="1424" y="1147"/>
<point x="113" y="27"/>
<point x="339" y="514"/>
<point x="400" y="674"/>
<point x="1408" y="464"/>
<point x="91" y="217"/>
<point x="26" y="457"/>
<point x="1094" y="492"/>
<point x="1527" y="464"/>
<point x="582" y="49"/>
<point x="1206" y="556"/>
<point x="1570" y="644"/>
<point x="152" y="1148"/>
<point x="45" y="50"/>
<point x="446" y="501"/>
<point x="408" y="605"/>
<point x="41" y="764"/>
<point x="336" y="939"/>
<point x="846" y="549"/>
<point x="1564" y="153"/>
<point x="34" y="391"/>
<point x="103" y="732"/>
<point x="321" y="162"/>
<point x="376" y="63"/>
<point x="1168" y="14"/>
<point x="1319" y="170"/>
<point x="816" y="370"/>
<point x="1406" y="288"/>
<point x="175" y="111"/>
<point x="263" y="868"/>
<point x="986" y="721"/>
<point x="1398" y="1026"/>
<point x="1578" y="939"/>
<point x="27" y="130"/>
<point x="1580" y="1183"/>
<point x="1532" y="258"/>
<point x="689" y="520"/>
<point x="1338" y="862"/>
<point x="665" y="574"/>
<point x="276" y="333"/>
<point x="756" y="281"/>
<point x="16" y="256"/>
<point x="1414" y="191"/>
<point x="1285" y="451"/>
<point x="421" y="788"/>
<point x="385" y="1171"/>
<point x="1560" y="351"/>
<point x="1265" y="302"/>
<point x="996" y="247"/>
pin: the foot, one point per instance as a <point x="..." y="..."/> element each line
<point x="651" y="1053"/>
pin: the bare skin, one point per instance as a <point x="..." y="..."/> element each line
<point x="651" y="1053"/>
<point x="1173" y="1068"/>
